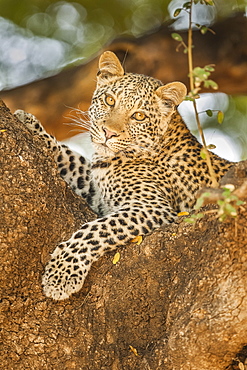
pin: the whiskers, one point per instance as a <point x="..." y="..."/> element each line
<point x="96" y="133"/>
<point x="80" y="119"/>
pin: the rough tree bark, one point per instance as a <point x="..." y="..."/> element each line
<point x="177" y="301"/>
<point x="51" y="99"/>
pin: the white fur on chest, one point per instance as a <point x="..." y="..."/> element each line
<point x="103" y="179"/>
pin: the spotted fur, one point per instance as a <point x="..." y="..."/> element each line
<point x="146" y="168"/>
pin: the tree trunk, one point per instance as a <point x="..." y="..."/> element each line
<point x="177" y="301"/>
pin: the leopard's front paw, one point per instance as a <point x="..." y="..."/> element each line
<point x="29" y="120"/>
<point x="66" y="271"/>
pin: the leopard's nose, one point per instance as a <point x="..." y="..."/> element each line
<point x="108" y="133"/>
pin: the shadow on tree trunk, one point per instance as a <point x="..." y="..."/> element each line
<point x="177" y="301"/>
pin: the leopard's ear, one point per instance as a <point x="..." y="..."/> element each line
<point x="174" y="91"/>
<point x="109" y="67"/>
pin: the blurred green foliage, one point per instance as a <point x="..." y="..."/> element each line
<point x="75" y="30"/>
<point x="40" y="37"/>
<point x="44" y="36"/>
<point x="88" y="24"/>
<point x="97" y="17"/>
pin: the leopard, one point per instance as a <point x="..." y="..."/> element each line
<point x="146" y="168"/>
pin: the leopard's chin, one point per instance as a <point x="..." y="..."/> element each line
<point x="103" y="149"/>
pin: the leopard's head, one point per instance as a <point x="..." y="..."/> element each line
<point x="130" y="112"/>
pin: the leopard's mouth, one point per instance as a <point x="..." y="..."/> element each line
<point x="103" y="148"/>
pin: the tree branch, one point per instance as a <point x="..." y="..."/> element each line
<point x="178" y="299"/>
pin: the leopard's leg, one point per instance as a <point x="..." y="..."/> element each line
<point x="71" y="260"/>
<point x="73" y="168"/>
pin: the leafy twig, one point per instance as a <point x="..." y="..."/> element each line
<point x="192" y="88"/>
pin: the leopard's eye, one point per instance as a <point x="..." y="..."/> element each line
<point x="110" y="100"/>
<point x="139" y="116"/>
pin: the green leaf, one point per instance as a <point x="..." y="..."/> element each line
<point x="203" y="30"/>
<point x="200" y="74"/>
<point x="211" y="146"/>
<point x="211" y="84"/>
<point x="203" y="153"/>
<point x="209" y="67"/>
<point x="230" y="209"/>
<point x="200" y="200"/>
<point x="209" y="2"/>
<point x="192" y="219"/>
<point x="239" y="202"/>
<point x="220" y="117"/>
<point x="222" y="217"/>
<point x="226" y="192"/>
<point x="209" y="112"/>
<point x="220" y="202"/>
<point x="187" y="5"/>
<point x="189" y="98"/>
<point x="177" y="12"/>
<point x="199" y="215"/>
<point x="197" y="71"/>
<point x="176" y="36"/>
